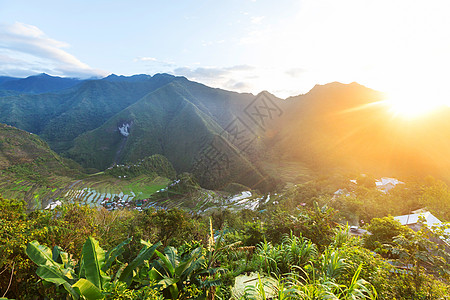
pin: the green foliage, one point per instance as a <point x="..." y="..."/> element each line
<point x="145" y="254"/>
<point x="175" y="275"/>
<point x="26" y="156"/>
<point x="155" y="165"/>
<point x="87" y="279"/>
<point x="171" y="227"/>
<point x="436" y="197"/>
<point x="317" y="224"/>
<point x="16" y="230"/>
<point x="118" y="290"/>
<point x="316" y="259"/>
<point x="383" y="230"/>
<point x="294" y="252"/>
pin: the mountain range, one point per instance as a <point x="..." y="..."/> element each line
<point x="222" y="136"/>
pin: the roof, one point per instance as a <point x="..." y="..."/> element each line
<point x="385" y="184"/>
<point x="386" y="180"/>
<point x="430" y="219"/>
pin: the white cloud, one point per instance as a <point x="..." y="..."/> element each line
<point x="257" y="20"/>
<point x="152" y="65"/>
<point x="246" y="78"/>
<point x="31" y="49"/>
<point x="145" y="59"/>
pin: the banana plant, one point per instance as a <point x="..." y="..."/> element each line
<point x="173" y="273"/>
<point x="87" y="279"/>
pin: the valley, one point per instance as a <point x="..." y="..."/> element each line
<point x="161" y="159"/>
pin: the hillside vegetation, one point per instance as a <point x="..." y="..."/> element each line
<point x="25" y="154"/>
<point x="297" y="246"/>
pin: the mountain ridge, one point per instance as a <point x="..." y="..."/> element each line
<point x="333" y="126"/>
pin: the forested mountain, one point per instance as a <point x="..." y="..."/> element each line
<point x="61" y="117"/>
<point x="181" y="121"/>
<point x="37" y="84"/>
<point x="223" y="136"/>
<point x="351" y="127"/>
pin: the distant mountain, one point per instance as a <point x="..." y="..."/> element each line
<point x="60" y="117"/>
<point x="348" y="127"/>
<point x="38" y="84"/>
<point x="6" y="78"/>
<point x="133" y="78"/>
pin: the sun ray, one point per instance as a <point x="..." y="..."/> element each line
<point x="413" y="105"/>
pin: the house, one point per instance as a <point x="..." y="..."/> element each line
<point x="412" y="221"/>
<point x="342" y="192"/>
<point x="385" y="184"/>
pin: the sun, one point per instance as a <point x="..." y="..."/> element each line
<point x="413" y="105"/>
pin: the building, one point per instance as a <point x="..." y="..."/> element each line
<point x="412" y="221"/>
<point x="386" y="184"/>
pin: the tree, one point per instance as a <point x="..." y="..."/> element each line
<point x="382" y="231"/>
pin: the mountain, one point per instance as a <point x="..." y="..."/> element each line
<point x="38" y="84"/>
<point x="60" y="117"/>
<point x="133" y="78"/>
<point x="182" y="120"/>
<point x="223" y="137"/>
<point x="349" y="127"/>
<point x="6" y="78"/>
<point x="27" y="156"/>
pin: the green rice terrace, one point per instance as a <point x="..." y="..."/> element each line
<point x="115" y="193"/>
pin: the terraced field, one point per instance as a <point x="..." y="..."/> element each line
<point x="37" y="196"/>
<point x="91" y="190"/>
<point x="158" y="192"/>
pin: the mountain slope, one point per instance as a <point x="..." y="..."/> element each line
<point x="349" y="127"/>
<point x="60" y="117"/>
<point x="121" y="78"/>
<point x="171" y="122"/>
<point x="25" y="154"/>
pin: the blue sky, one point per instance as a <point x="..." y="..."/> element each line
<point x="284" y="46"/>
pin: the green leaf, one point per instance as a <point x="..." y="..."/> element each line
<point x="166" y="282"/>
<point x="119" y="271"/>
<point x="92" y="261"/>
<point x="155" y="274"/>
<point x="114" y="253"/>
<point x="145" y="254"/>
<point x="61" y="257"/>
<point x="51" y="274"/>
<point x="54" y="275"/>
<point x="55" y="253"/>
<point x="194" y="262"/>
<point x="40" y="254"/>
<point x="167" y="264"/>
<point x="171" y="284"/>
<point x="87" y="289"/>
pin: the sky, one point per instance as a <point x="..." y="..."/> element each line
<point x="285" y="46"/>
